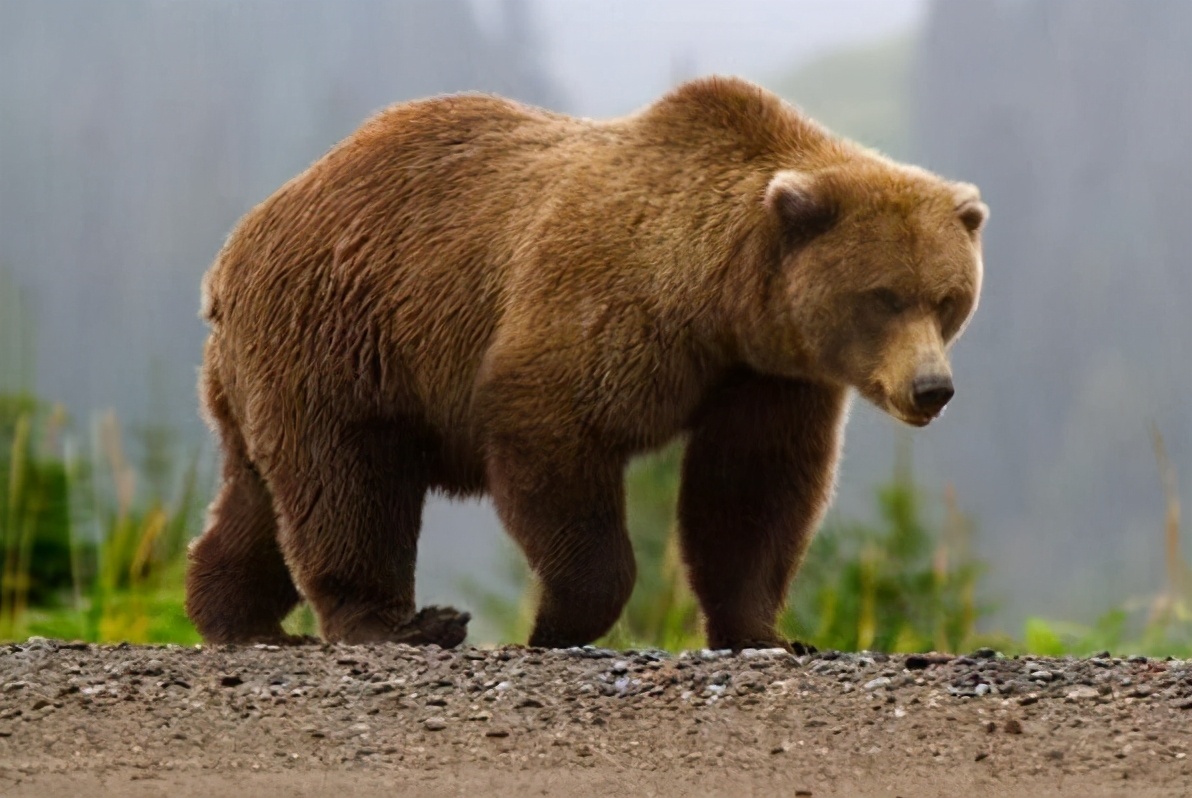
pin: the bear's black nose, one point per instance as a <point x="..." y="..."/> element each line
<point x="932" y="392"/>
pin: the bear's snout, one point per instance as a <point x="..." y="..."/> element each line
<point x="931" y="392"/>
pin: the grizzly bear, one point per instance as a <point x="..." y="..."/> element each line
<point x="474" y="296"/>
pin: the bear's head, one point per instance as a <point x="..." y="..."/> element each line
<point x="879" y="272"/>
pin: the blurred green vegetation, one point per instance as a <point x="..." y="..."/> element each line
<point x="897" y="585"/>
<point x="87" y="552"/>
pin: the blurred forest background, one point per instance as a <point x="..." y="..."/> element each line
<point x="134" y="133"/>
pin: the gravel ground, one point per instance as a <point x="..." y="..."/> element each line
<point x="397" y="720"/>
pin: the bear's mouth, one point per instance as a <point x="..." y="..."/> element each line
<point x="916" y="418"/>
<point x="904" y="411"/>
<point x="907" y="415"/>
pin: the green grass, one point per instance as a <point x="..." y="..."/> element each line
<point x="91" y="549"/>
<point x="898" y="585"/>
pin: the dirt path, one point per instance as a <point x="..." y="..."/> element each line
<point x="397" y="721"/>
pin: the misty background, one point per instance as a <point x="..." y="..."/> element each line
<point x="134" y="133"/>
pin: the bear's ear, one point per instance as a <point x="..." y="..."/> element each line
<point x="802" y="205"/>
<point x="971" y="211"/>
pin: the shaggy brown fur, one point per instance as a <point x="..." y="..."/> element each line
<point x="470" y="295"/>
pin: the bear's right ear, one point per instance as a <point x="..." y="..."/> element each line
<point x="971" y="211"/>
<point x="801" y="205"/>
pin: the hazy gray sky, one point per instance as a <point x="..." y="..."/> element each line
<point x="613" y="55"/>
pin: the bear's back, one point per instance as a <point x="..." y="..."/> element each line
<point x="407" y="222"/>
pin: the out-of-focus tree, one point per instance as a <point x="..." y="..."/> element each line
<point x="1075" y="117"/>
<point x="135" y="133"/>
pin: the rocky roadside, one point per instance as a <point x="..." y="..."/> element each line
<point x="814" y="724"/>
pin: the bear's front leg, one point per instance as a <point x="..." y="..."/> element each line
<point x="757" y="476"/>
<point x="566" y="509"/>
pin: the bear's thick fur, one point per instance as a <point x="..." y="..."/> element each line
<point x="470" y="295"/>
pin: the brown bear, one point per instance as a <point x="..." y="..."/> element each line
<point x="474" y="296"/>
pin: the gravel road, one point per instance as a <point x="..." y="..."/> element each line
<point x="397" y="720"/>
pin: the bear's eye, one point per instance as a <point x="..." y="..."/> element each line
<point x="887" y="300"/>
<point x="950" y="312"/>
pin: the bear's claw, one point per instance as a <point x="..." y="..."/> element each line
<point x="796" y="647"/>
<point x="442" y="626"/>
<point x="801" y="649"/>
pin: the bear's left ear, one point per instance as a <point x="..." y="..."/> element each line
<point x="802" y="204"/>
<point x="971" y="211"/>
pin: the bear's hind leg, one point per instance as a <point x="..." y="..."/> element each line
<point x="757" y="476"/>
<point x="350" y="509"/>
<point x="570" y="522"/>
<point x="238" y="589"/>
